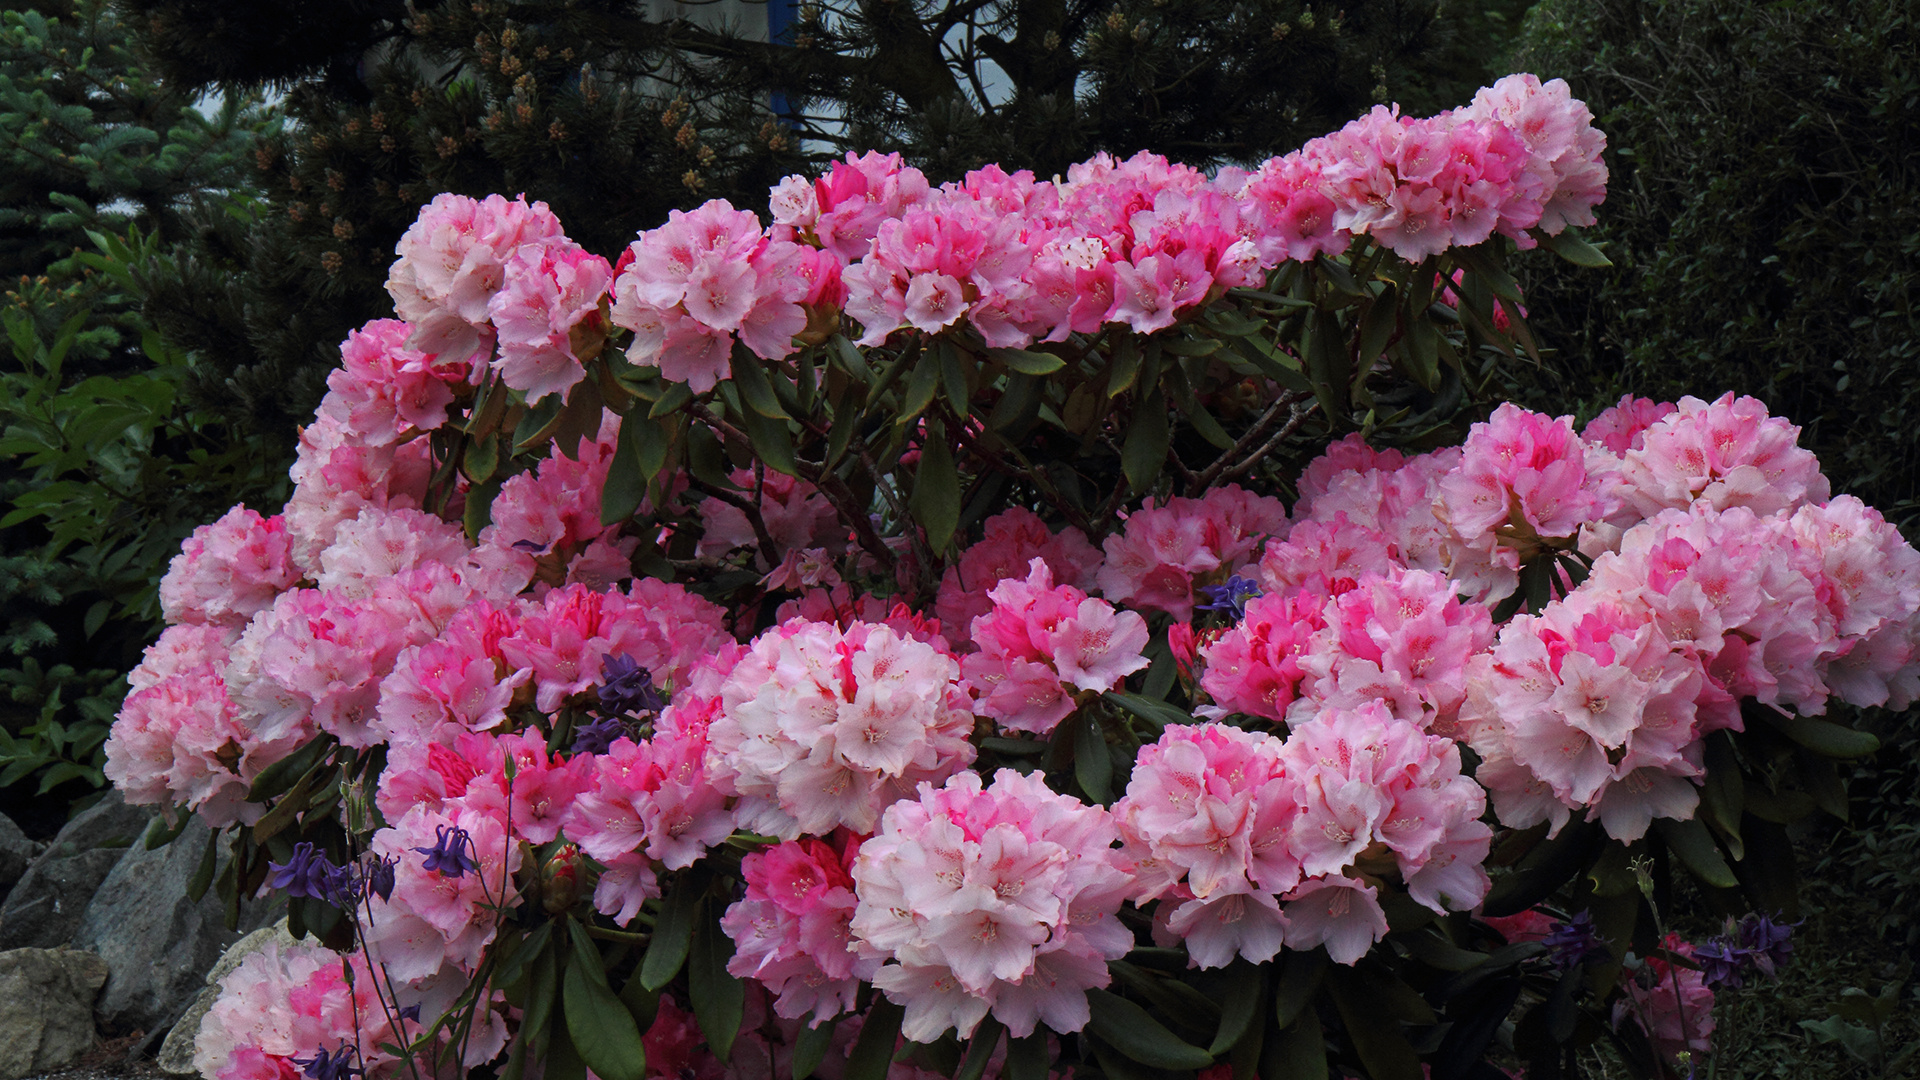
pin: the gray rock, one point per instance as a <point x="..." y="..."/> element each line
<point x="176" y="1054"/>
<point x="45" y="906"/>
<point x="16" y="853"/>
<point x="46" y="1008"/>
<point x="157" y="943"/>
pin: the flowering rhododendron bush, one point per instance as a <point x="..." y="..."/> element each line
<point x="899" y="638"/>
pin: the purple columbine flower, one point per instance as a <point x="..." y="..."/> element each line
<point x="449" y="853"/>
<point x="306" y="874"/>
<point x="1768" y="943"/>
<point x="1722" y="963"/>
<point x="411" y="1012"/>
<point x="626" y="687"/>
<point x="1231" y="596"/>
<point x="1574" y="941"/>
<point x="337" y="1066"/>
<point x="596" y="736"/>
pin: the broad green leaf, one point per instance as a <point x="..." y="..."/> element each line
<point x="202" y="878"/>
<point x="755" y="390"/>
<point x="936" y="488"/>
<point x="810" y="1048"/>
<point x="1297" y="1051"/>
<point x="1822" y="736"/>
<point x="772" y="441"/>
<point x="986" y="1038"/>
<point x="921" y="387"/>
<point x="1152" y="710"/>
<point x="626" y="482"/>
<point x="1145" y="451"/>
<point x="1723" y="797"/>
<point x="953" y="377"/>
<point x="1027" y="362"/>
<point x="1134" y="1032"/>
<point x="478" y="513"/>
<point x="1300" y="977"/>
<point x="1240" y="1000"/>
<point x="1694" y="845"/>
<point x="1126" y="366"/>
<point x="1027" y="1057"/>
<point x="1570" y="247"/>
<point x="672" y="932"/>
<point x="602" y="1029"/>
<point x="1092" y="766"/>
<point x="718" y="999"/>
<point x="675" y="399"/>
<point x="1375" y="1034"/>
<point x="873" y="1052"/>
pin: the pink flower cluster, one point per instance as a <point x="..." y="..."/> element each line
<point x="1522" y="156"/>
<point x="711" y="276"/>
<point x="1013" y="539"/>
<point x="793" y="930"/>
<point x="1225" y="823"/>
<point x="821" y="728"/>
<point x="1041" y="643"/>
<point x="1156" y="560"/>
<point x="998" y="898"/>
<point x="228" y="571"/>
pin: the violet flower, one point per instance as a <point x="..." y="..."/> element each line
<point x="449" y="853"/>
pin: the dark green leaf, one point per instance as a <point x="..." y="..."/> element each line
<point x="755" y="390"/>
<point x="672" y="933"/>
<point x="873" y="1051"/>
<point x="1723" y="798"/>
<point x="1027" y="1057"/>
<point x="1375" y="1034"/>
<point x="1134" y="1032"/>
<point x="675" y="399"/>
<point x="482" y="458"/>
<point x="719" y="1000"/>
<point x="936" y="488"/>
<point x="1155" y="712"/>
<point x="1126" y="366"/>
<point x="772" y="441"/>
<point x="1570" y="247"/>
<point x="953" y="377"/>
<point x="985" y="1039"/>
<point x="478" y="513"/>
<point x="921" y="387"/>
<point x="1378" y="324"/>
<point x="810" y="1048"/>
<point x="1694" y="845"/>
<point x="1822" y="736"/>
<point x="1298" y="982"/>
<point x="1027" y="362"/>
<point x="1092" y="767"/>
<point x="202" y="878"/>
<point x="1241" y="993"/>
<point x="602" y="1029"/>
<point x="1145" y="451"/>
<point x="1548" y="866"/>
<point x="1296" y="1052"/>
<point x="626" y="482"/>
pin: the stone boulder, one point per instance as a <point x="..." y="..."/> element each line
<point x="46" y="1009"/>
<point x="45" y="906"/>
<point x="157" y="943"/>
<point x="176" y="1054"/>
<point x="16" y="854"/>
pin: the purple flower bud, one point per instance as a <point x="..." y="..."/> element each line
<point x="449" y="853"/>
<point x="380" y="875"/>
